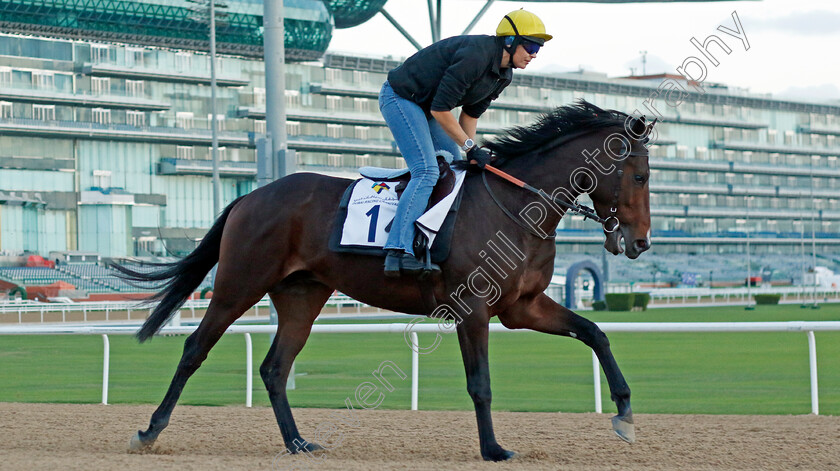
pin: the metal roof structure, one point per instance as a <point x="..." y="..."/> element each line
<point x="171" y="23"/>
<point x="435" y="12"/>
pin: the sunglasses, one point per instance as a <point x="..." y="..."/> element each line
<point x="531" y="47"/>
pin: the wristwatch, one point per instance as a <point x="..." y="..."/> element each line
<point x="468" y="144"/>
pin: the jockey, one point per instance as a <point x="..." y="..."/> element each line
<point x="417" y="101"/>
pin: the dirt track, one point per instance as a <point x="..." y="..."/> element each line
<point x="52" y="436"/>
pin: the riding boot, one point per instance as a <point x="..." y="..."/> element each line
<point x="392" y="263"/>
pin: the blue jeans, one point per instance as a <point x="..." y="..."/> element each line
<point x="418" y="139"/>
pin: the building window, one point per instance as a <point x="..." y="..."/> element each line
<point x="333" y="75"/>
<point x="259" y="96"/>
<point x="334" y="160"/>
<point x="134" y="56"/>
<point x="185" y="152"/>
<point x="45" y="80"/>
<point x="360" y="76"/>
<point x="334" y="103"/>
<point x="222" y="153"/>
<point x="184" y="119"/>
<point x="5" y="109"/>
<point x="135" y="88"/>
<point x="183" y="61"/>
<point x="5" y="76"/>
<point x="292" y="98"/>
<point x="100" y="85"/>
<point x="361" y="104"/>
<point x="523" y="117"/>
<point x="43" y="112"/>
<point x="101" y="116"/>
<point x="334" y="131"/>
<point x="788" y="138"/>
<point x="362" y="132"/>
<point x="259" y="126"/>
<point x="101" y="179"/>
<point x="220" y="122"/>
<point x="135" y="118"/>
<point x="293" y="128"/>
<point x="100" y="53"/>
<point x="362" y="160"/>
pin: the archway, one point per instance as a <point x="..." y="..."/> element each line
<point x="571" y="276"/>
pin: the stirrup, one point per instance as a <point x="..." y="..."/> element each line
<point x="401" y="263"/>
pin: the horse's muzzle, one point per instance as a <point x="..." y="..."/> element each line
<point x="636" y="248"/>
<point x="641" y="244"/>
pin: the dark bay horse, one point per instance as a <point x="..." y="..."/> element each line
<point x="275" y="240"/>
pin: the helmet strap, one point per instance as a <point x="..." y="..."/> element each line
<point x="517" y="39"/>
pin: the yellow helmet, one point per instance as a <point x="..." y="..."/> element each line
<point x="522" y="23"/>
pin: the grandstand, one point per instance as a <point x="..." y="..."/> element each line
<point x="721" y="270"/>
<point x="87" y="278"/>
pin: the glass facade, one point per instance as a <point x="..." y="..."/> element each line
<point x="106" y="148"/>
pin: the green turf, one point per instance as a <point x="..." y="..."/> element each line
<point x="716" y="373"/>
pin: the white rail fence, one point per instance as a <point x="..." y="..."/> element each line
<point x="34" y="312"/>
<point x="401" y="328"/>
<point x="31" y="312"/>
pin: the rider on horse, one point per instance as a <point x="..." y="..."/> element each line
<point x="417" y="99"/>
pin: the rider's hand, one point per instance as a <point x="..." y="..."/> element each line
<point x="479" y="155"/>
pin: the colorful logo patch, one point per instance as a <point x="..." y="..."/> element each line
<point x="378" y="187"/>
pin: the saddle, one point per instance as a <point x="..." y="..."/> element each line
<point x="364" y="237"/>
<point x="443" y="187"/>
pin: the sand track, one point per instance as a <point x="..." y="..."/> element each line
<point x="58" y="436"/>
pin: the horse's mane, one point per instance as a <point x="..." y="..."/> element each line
<point x="563" y="121"/>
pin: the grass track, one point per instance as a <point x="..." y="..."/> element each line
<point x="716" y="373"/>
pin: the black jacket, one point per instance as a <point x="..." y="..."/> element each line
<point x="457" y="71"/>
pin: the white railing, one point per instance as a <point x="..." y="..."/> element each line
<point x="133" y="311"/>
<point x="401" y="328"/>
<point x="341" y="303"/>
<point x="741" y="294"/>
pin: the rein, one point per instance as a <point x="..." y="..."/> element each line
<point x="575" y="207"/>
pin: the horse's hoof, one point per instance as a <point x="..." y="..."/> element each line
<point x="138" y="444"/>
<point x="624" y="429"/>
<point x="500" y="455"/>
<point x="304" y="447"/>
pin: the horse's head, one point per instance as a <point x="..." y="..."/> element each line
<point x="622" y="195"/>
<point x="599" y="152"/>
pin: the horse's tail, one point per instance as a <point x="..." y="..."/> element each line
<point x="180" y="278"/>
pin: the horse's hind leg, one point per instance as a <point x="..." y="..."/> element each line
<point x="219" y="316"/>
<point x="297" y="307"/>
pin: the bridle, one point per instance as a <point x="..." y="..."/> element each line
<point x="609" y="223"/>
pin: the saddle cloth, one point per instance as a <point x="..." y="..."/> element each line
<point x="368" y="207"/>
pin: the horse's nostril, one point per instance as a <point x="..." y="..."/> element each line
<point x="641" y="244"/>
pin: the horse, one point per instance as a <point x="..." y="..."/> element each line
<point x="275" y="240"/>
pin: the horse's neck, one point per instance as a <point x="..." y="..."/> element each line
<point x="552" y="174"/>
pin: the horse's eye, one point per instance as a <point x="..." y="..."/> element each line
<point x="640" y="179"/>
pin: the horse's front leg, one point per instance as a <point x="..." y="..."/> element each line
<point x="542" y="314"/>
<point x="472" y="335"/>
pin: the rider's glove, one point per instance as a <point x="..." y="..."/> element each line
<point x="480" y="155"/>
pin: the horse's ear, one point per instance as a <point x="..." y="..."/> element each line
<point x="635" y="127"/>
<point x="639" y="127"/>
